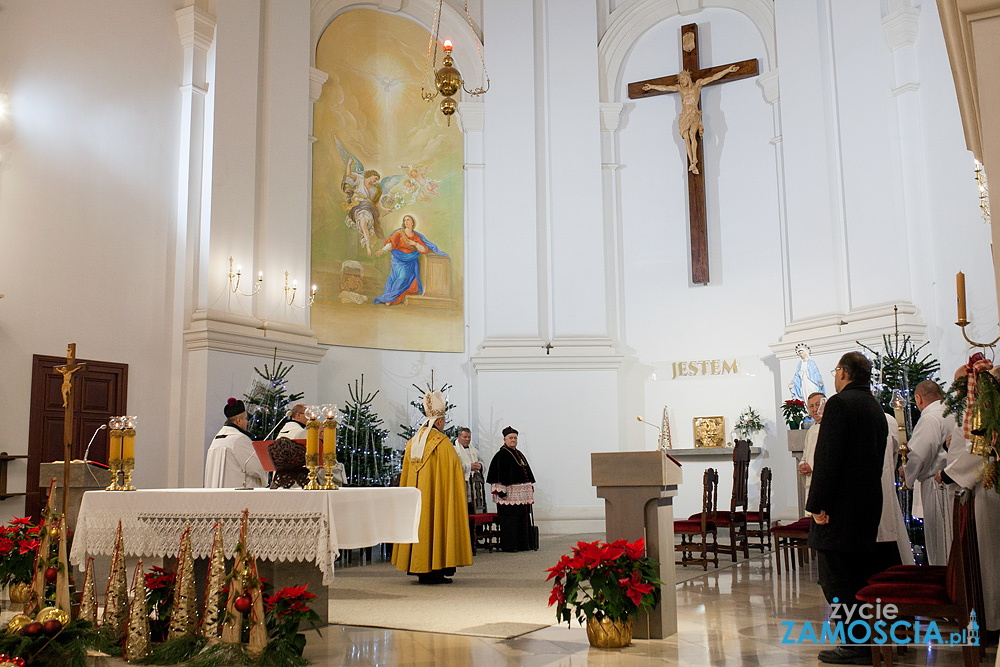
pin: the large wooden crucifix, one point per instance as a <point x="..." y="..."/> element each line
<point x="688" y="83"/>
<point x="67" y="372"/>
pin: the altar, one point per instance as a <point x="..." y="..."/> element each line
<point x="284" y="525"/>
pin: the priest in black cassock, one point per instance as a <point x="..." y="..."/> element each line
<point x="510" y="480"/>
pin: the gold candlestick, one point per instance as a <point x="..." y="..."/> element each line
<point x="128" y="465"/>
<point x="330" y="445"/>
<point x="962" y="321"/>
<point x="312" y="462"/>
<point x="114" y="453"/>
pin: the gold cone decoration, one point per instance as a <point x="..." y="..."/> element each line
<point x="116" y="596"/>
<point x="258" y="632"/>
<point x="62" y="579"/>
<point x="184" y="609"/>
<point x="137" y="644"/>
<point x="213" y="590"/>
<point x="36" y="598"/>
<point x="232" y="626"/>
<point x="88" y="602"/>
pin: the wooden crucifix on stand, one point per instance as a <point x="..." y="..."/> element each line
<point x="67" y="372"/>
<point x="688" y="84"/>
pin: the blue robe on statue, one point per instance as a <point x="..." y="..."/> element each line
<point x="405" y="269"/>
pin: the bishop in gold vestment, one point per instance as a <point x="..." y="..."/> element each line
<point x="431" y="465"/>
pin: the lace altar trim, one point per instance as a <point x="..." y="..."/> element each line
<point x="284" y="537"/>
<point x="517" y="494"/>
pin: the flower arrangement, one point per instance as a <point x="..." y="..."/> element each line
<point x="18" y="548"/>
<point x="159" y="599"/>
<point x="749" y="422"/>
<point x="794" y="411"/>
<point x="285" y="611"/>
<point x="614" y="580"/>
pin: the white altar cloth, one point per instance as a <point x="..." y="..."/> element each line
<point x="284" y="525"/>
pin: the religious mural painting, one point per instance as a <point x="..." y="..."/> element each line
<point x="387" y="209"/>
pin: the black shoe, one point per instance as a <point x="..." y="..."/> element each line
<point x="847" y="655"/>
<point x="433" y="579"/>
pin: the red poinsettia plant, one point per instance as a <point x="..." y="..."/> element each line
<point x="285" y="611"/>
<point x="19" y="542"/>
<point x="599" y="579"/>
<point x="794" y="411"/>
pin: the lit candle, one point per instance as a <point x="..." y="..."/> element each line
<point x="960" y="286"/>
<point x="115" y="444"/>
<point x="447" y="46"/>
<point x="900" y="424"/>
<point x="128" y="438"/>
<point x="312" y="438"/>
<point x="330" y="436"/>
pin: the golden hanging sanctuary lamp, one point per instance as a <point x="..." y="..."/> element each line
<point x="448" y="80"/>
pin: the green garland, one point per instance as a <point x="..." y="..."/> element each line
<point x="66" y="649"/>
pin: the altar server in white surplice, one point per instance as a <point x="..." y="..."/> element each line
<point x="965" y="470"/>
<point x="927" y="457"/>
<point x="231" y="449"/>
<point x="893" y="542"/>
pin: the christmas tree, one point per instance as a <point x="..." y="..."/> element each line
<point x="268" y="398"/>
<point x="361" y="447"/>
<point x="407" y="431"/>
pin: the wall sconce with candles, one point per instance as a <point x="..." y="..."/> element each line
<point x="290" y="293"/>
<point x="234" y="280"/>
<point x="448" y="80"/>
<point x="962" y="321"/>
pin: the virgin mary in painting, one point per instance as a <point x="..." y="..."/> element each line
<point x="406" y="245"/>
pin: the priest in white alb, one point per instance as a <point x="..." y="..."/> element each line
<point x="926" y="458"/>
<point x="231" y="450"/>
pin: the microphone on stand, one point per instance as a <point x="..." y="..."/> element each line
<point x="87" y="452"/>
<point x="245" y="487"/>
<point x="92" y="438"/>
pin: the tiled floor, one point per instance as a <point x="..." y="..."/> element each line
<point x="729" y="617"/>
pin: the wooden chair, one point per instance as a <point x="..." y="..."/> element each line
<point x="736" y="518"/>
<point x="701" y="527"/>
<point x="762" y="517"/>
<point x="920" y="591"/>
<point x="791" y="542"/>
<point x="484" y="532"/>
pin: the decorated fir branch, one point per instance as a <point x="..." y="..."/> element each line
<point x="367" y="460"/>
<point x="267" y="399"/>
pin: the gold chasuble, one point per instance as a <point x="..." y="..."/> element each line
<point x="444" y="516"/>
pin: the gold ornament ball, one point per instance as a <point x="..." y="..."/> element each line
<point x="448" y="80"/>
<point x="49" y="613"/>
<point x="448" y="106"/>
<point x="54" y="532"/>
<point x="18" y="623"/>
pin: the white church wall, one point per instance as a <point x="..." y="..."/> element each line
<point x="87" y="201"/>
<point x="957" y="238"/>
<point x="666" y="318"/>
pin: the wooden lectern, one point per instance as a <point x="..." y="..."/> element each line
<point x="638" y="490"/>
<point x="83" y="477"/>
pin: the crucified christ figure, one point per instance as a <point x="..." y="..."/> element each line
<point x="689" y="124"/>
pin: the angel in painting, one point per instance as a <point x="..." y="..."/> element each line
<point x="367" y="196"/>
<point x="417" y="185"/>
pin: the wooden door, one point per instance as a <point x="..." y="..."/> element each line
<point x="99" y="392"/>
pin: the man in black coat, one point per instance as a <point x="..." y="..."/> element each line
<point x="845" y="497"/>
